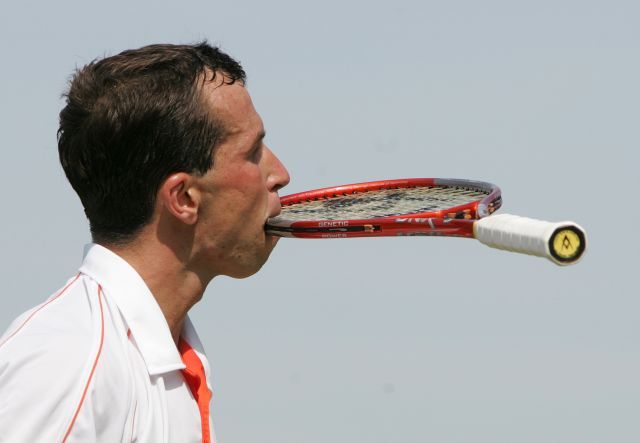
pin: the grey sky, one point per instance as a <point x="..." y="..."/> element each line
<point x="390" y="340"/>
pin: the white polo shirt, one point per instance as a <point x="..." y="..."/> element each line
<point x="96" y="362"/>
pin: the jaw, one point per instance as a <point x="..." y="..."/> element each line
<point x="240" y="260"/>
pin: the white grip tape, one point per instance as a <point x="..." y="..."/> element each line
<point x="529" y="236"/>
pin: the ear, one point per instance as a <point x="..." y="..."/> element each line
<point x="180" y="197"/>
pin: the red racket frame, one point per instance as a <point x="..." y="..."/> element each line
<point x="456" y="221"/>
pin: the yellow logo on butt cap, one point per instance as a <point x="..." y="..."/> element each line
<point x="566" y="243"/>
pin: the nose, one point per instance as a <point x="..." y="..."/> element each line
<point x="278" y="175"/>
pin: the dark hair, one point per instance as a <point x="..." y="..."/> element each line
<point x="133" y="119"/>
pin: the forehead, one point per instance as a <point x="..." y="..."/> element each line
<point x="233" y="107"/>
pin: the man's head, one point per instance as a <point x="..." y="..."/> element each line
<point x="153" y="136"/>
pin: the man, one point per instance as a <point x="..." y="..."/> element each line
<point x="165" y="150"/>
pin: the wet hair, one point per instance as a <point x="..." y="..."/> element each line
<point x="133" y="119"/>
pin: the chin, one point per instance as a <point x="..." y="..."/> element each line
<point x="245" y="272"/>
<point x="250" y="267"/>
<point x="250" y="258"/>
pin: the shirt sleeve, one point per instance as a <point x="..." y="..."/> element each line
<point x="40" y="384"/>
<point x="52" y="362"/>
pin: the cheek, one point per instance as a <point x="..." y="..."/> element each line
<point x="242" y="193"/>
<point x="250" y="184"/>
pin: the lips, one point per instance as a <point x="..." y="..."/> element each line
<point x="275" y="212"/>
<point x="272" y="214"/>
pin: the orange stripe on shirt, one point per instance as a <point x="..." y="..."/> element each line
<point x="93" y="369"/>
<point x="196" y="380"/>
<point x="38" y="310"/>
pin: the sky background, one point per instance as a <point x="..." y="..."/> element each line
<point x="398" y="339"/>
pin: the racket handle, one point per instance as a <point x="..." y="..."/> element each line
<point x="561" y="242"/>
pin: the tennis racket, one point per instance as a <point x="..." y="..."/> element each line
<point x="424" y="207"/>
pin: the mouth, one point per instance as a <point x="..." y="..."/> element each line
<point x="271" y="215"/>
<point x="271" y="239"/>
<point x="275" y="212"/>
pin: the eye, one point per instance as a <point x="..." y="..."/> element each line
<point x="256" y="153"/>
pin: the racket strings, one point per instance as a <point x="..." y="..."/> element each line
<point x="382" y="203"/>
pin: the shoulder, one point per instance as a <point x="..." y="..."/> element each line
<point x="49" y="358"/>
<point x="51" y="330"/>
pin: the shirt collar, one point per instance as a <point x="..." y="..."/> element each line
<point x="122" y="284"/>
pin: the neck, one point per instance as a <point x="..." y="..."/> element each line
<point x="174" y="286"/>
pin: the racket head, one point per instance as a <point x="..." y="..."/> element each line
<point x="412" y="206"/>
